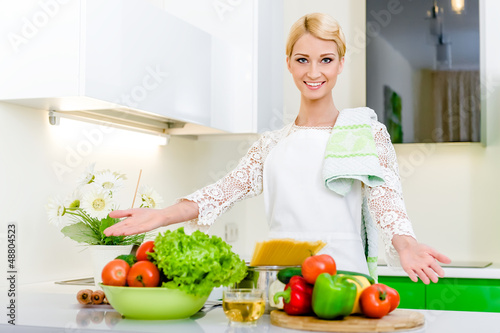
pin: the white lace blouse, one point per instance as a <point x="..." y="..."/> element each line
<point x="385" y="202"/>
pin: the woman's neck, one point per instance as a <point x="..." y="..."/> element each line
<point x="317" y="113"/>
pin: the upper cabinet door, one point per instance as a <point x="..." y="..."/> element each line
<point x="248" y="56"/>
<point x="103" y="55"/>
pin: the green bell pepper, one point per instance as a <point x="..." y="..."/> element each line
<point x="333" y="296"/>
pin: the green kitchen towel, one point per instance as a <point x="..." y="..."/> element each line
<point x="351" y="153"/>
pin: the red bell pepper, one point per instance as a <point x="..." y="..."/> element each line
<point x="297" y="296"/>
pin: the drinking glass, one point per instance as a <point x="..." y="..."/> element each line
<point x="243" y="306"/>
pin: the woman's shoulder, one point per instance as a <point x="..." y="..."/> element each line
<point x="276" y="134"/>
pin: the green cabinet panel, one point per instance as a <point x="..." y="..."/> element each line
<point x="412" y="294"/>
<point x="458" y="294"/>
<point x="464" y="295"/>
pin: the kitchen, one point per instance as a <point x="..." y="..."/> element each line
<point x="449" y="193"/>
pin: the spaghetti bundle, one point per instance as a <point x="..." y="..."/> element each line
<point x="284" y="252"/>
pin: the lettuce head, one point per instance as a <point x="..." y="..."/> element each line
<point x="196" y="263"/>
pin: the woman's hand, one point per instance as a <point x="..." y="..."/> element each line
<point x="139" y="220"/>
<point x="419" y="260"/>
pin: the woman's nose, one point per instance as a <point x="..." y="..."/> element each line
<point x="313" y="72"/>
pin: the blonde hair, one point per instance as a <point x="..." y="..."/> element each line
<point x="319" y="25"/>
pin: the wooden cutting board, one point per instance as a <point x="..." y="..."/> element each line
<point x="395" y="321"/>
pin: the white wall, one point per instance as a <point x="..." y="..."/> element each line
<point x="390" y="68"/>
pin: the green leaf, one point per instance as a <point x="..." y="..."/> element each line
<point x="81" y="233"/>
<point x="106" y="223"/>
<point x="129" y="258"/>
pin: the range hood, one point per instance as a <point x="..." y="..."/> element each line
<point x="122" y="62"/>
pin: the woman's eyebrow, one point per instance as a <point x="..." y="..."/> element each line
<point x="301" y="54"/>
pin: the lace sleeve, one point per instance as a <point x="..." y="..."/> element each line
<point x="245" y="181"/>
<point x="386" y="202"/>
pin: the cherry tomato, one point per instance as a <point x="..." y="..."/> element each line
<point x="392" y="295"/>
<point x="143" y="274"/>
<point x="115" y="273"/>
<point x="315" y="265"/>
<point x="144" y="249"/>
<point x="374" y="302"/>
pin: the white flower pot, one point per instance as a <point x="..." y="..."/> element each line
<point x="102" y="254"/>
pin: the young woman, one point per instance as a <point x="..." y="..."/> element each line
<point x="288" y="166"/>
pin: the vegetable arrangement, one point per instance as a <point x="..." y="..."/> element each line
<point x="194" y="263"/>
<point x="335" y="294"/>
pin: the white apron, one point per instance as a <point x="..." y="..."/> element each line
<point x="299" y="206"/>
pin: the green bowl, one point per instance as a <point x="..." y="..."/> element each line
<point x="153" y="303"/>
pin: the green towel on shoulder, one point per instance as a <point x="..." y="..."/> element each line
<point x="351" y="155"/>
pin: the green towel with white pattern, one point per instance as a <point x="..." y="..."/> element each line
<point x="350" y="155"/>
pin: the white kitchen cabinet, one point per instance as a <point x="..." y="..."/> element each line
<point x="217" y="64"/>
<point x="248" y="56"/>
<point x="125" y="57"/>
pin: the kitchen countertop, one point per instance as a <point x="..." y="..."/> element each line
<point x="491" y="271"/>
<point x="47" y="307"/>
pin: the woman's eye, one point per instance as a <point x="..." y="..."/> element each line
<point x="302" y="60"/>
<point x="327" y="60"/>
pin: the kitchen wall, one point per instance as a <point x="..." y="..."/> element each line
<point x="39" y="160"/>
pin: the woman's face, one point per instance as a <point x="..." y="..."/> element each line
<point x="315" y="65"/>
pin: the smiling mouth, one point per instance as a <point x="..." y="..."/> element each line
<point x="314" y="85"/>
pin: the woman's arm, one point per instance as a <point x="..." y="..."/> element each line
<point x="139" y="220"/>
<point x="388" y="210"/>
<point x="204" y="206"/>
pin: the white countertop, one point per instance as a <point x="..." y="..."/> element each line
<point x="47" y="307"/>
<point x="490" y="272"/>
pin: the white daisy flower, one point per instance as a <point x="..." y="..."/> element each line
<point x="149" y="197"/>
<point x="97" y="203"/>
<point x="109" y="181"/>
<point x="121" y="176"/>
<point x="88" y="175"/>
<point x="56" y="212"/>
<point x="73" y="201"/>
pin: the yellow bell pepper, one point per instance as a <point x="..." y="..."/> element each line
<point x="361" y="283"/>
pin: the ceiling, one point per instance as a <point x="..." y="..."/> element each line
<point x="407" y="30"/>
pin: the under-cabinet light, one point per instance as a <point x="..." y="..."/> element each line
<point x="148" y="129"/>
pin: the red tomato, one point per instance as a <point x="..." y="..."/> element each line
<point x="115" y="273"/>
<point x="143" y="274"/>
<point x="373" y="302"/>
<point x="144" y="249"/>
<point x="392" y="295"/>
<point x="315" y="265"/>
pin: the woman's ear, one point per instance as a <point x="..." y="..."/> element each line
<point x="341" y="64"/>
<point x="288" y="63"/>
